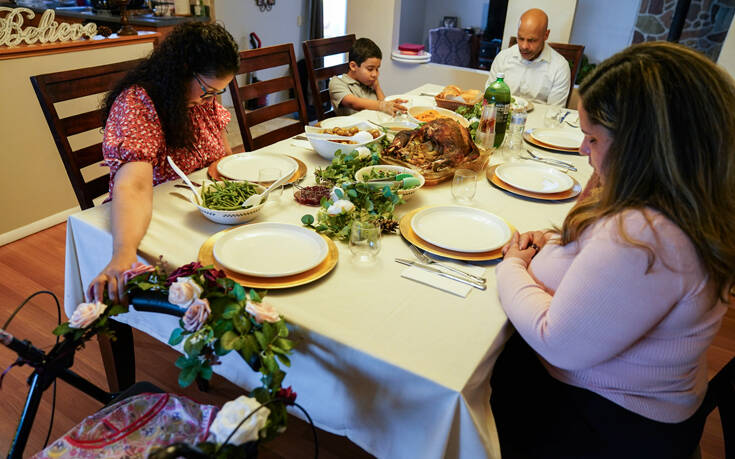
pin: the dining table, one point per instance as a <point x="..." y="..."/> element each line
<point x="400" y="368"/>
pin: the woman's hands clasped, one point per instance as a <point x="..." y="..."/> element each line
<point x="525" y="246"/>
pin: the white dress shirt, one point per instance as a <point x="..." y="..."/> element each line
<point x="545" y="79"/>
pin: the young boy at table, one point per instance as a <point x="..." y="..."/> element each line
<point x="359" y="89"/>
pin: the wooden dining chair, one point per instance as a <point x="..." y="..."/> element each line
<point x="573" y="55"/>
<point x="52" y="88"/>
<point x="258" y="59"/>
<point x="314" y="53"/>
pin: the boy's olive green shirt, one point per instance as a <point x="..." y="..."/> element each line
<point x="342" y="85"/>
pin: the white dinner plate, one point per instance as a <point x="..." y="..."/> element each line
<point x="414" y="101"/>
<point x="411" y="57"/>
<point x="339" y="121"/>
<point x="245" y="166"/>
<point x="270" y="249"/>
<point x="561" y="138"/>
<point x="534" y="177"/>
<point x="462" y="229"/>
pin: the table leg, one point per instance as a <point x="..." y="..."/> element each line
<point x="118" y="357"/>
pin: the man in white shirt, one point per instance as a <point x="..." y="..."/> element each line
<point x="533" y="70"/>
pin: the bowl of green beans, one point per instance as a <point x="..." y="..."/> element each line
<point x="222" y="201"/>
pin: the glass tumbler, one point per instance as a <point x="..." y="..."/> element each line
<point x="485" y="135"/>
<point x="464" y="185"/>
<point x="364" y="241"/>
<point x="552" y="118"/>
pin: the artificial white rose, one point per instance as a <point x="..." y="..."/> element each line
<point x="334" y="197"/>
<point x="363" y="152"/>
<point x="342" y="206"/>
<point x="230" y="416"/>
<point x="184" y="292"/>
<point x="263" y="312"/>
<point x="86" y="313"/>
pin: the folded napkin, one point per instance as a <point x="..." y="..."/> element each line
<point x="441" y="282"/>
<point x="302" y="144"/>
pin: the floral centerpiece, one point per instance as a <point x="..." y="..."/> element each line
<point x="219" y="317"/>
<point x="351" y="201"/>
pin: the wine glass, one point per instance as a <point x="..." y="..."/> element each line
<point x="552" y="117"/>
<point x="464" y="185"/>
<point x="364" y="241"/>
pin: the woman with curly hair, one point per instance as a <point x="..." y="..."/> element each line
<point x="615" y="310"/>
<point x="164" y="107"/>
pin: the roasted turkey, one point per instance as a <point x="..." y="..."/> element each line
<point x="436" y="146"/>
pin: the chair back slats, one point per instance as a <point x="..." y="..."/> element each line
<point x="57" y="87"/>
<point x="260" y="88"/>
<point x="82" y="122"/>
<point x="272" y="111"/>
<point x="315" y="50"/>
<point x="88" y="155"/>
<point x="261" y="59"/>
<point x="325" y="73"/>
<point x="277" y="135"/>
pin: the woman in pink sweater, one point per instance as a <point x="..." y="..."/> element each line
<point x="614" y="310"/>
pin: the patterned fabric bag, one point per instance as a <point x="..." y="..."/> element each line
<point x="134" y="426"/>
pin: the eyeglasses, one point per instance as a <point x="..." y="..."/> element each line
<point x="207" y="93"/>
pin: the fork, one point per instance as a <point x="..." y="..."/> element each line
<point x="423" y="258"/>
<point x="570" y="166"/>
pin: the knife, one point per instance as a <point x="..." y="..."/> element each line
<point x="429" y="268"/>
<point x="553" y="163"/>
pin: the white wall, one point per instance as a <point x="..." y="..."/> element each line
<point x="604" y="28"/>
<point x="380" y="21"/>
<point x="727" y="54"/>
<point x="274" y="27"/>
<point x="560" y="12"/>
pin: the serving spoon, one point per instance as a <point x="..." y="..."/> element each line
<point x="256" y="199"/>
<point x="181" y="174"/>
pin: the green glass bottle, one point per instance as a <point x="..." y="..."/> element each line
<point x="498" y="93"/>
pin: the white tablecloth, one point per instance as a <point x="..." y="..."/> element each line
<point x="398" y="367"/>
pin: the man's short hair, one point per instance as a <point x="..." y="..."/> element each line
<point x="364" y="49"/>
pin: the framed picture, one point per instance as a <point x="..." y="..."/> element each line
<point x="449" y="21"/>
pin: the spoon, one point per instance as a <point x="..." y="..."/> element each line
<point x="184" y="177"/>
<point x="256" y="199"/>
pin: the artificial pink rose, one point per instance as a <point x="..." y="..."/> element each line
<point x="184" y="292"/>
<point x="196" y="314"/>
<point x="137" y="270"/>
<point x="263" y="312"/>
<point x="184" y="271"/>
<point x="86" y="313"/>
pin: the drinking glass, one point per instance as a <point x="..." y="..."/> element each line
<point x="464" y="185"/>
<point x="364" y="241"/>
<point x="552" y="117"/>
<point x="485" y="136"/>
<point x="268" y="175"/>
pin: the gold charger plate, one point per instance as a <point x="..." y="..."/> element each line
<point x="408" y="233"/>
<point x="574" y="191"/>
<point x="206" y="257"/>
<point x="529" y="138"/>
<point x="214" y="174"/>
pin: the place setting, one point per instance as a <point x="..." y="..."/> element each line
<point x="270" y="255"/>
<point x="247" y="167"/>
<point x="555" y="135"/>
<point x="533" y="180"/>
<point x="432" y="233"/>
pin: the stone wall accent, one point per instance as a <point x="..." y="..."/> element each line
<point x="705" y="28"/>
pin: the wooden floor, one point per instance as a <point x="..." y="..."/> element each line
<point x="37" y="263"/>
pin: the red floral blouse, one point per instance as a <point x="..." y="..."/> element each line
<point x="133" y="132"/>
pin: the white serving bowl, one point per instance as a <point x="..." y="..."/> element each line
<point x="413" y="111"/>
<point x="405" y="194"/>
<point x="326" y="148"/>
<point x="233" y="217"/>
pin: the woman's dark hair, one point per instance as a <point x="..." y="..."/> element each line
<point x="364" y="49"/>
<point x="191" y="48"/>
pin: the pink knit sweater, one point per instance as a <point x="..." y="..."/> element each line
<point x="600" y="322"/>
